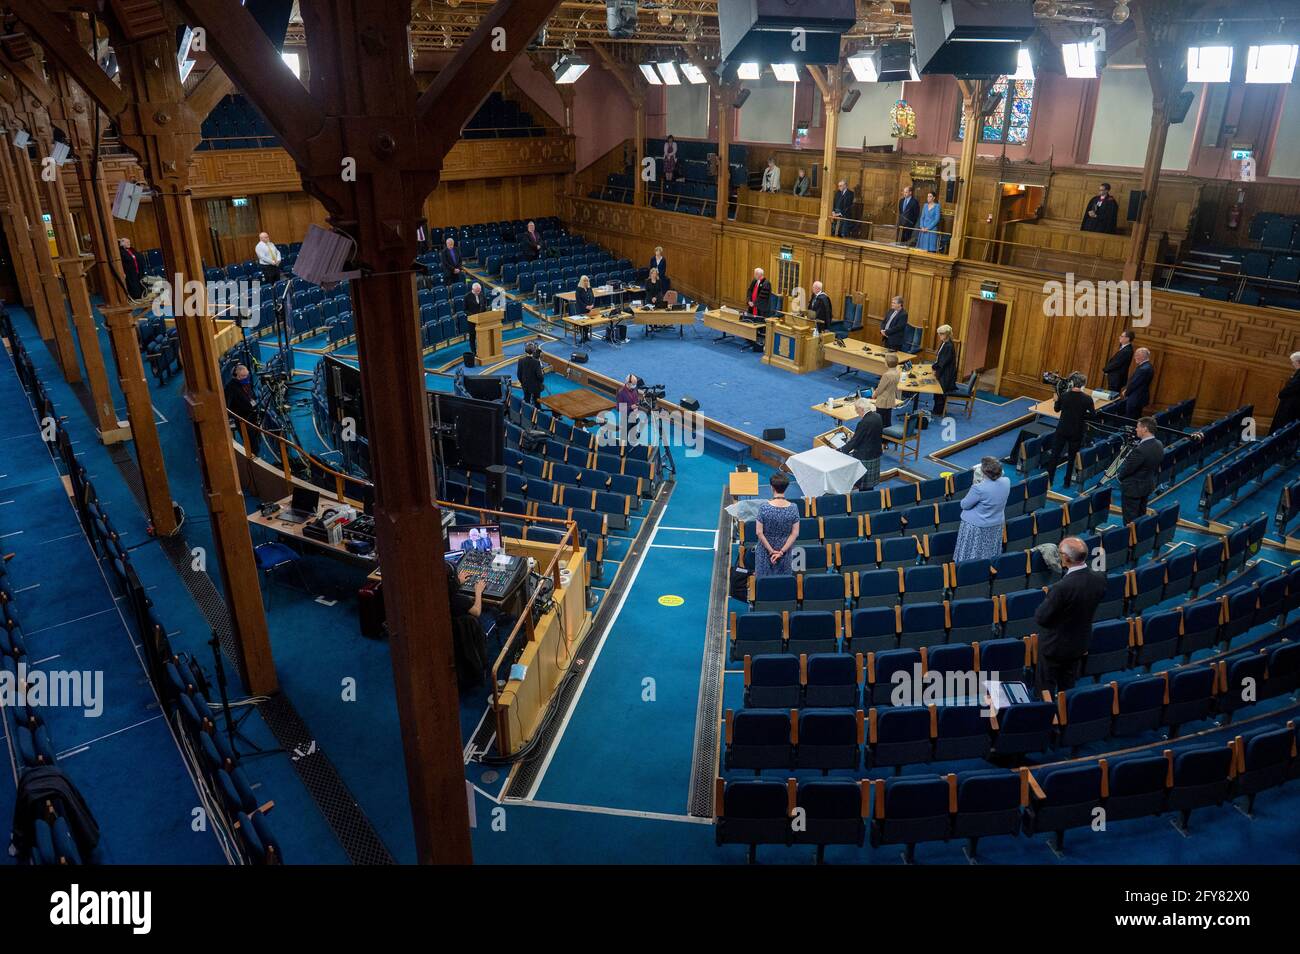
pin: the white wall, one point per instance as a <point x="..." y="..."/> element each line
<point x="688" y="110"/>
<point x="768" y="114"/>
<point x="870" y="116"/>
<point x="1123" y="122"/>
<point x="1286" y="157"/>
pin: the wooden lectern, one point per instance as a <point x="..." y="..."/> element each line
<point x="791" y="345"/>
<point x="488" y="346"/>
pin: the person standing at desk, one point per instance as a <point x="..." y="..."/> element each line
<point x="584" y="302"/>
<point x="885" y="395"/>
<point x="1116" y="369"/>
<point x="656" y="286"/>
<point x="945" y="368"/>
<point x="866" y="445"/>
<point x="894" y="325"/>
<point x="758" y="305"/>
<point x="657" y="261"/>
<point x="778" y="529"/>
<point x="475" y="303"/>
<point x="1075" y="408"/>
<point x="983" y="513"/>
<point x="820" y="305"/>
<point x="469" y="641"/>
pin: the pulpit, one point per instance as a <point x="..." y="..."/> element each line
<point x="488" y="346"/>
<point x="791" y="344"/>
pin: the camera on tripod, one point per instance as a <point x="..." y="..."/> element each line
<point x="650" y="395"/>
<point x="1063" y="383"/>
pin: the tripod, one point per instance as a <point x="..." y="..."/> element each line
<point x="233" y="733"/>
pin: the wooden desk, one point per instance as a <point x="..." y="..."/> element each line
<point x="743" y="483"/>
<point x="488" y="344"/>
<point x="570" y="297"/>
<point x="293" y="533"/>
<point x="862" y="356"/>
<point x="791" y="345"/>
<point x="681" y="317"/>
<point x="581" y="327"/>
<point x="579" y="404"/>
<point x="1046" y="410"/>
<point x="729" y="323"/>
<point x="843" y="411"/>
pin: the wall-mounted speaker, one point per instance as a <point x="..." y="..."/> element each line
<point x="950" y="190"/>
<point x="850" y="100"/>
<point x="741" y="97"/>
<point x="126" y="201"/>
<point x="1135" y="200"/>
<point x="1178" y="111"/>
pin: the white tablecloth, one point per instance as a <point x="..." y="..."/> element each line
<point x="824" y="470"/>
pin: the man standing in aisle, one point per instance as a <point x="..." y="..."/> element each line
<point x="268" y="256"/>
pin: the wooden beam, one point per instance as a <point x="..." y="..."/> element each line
<point x="972" y="93"/>
<point x="29" y="75"/>
<point x="210" y="90"/>
<point x="831" y="85"/>
<point x="61" y="45"/>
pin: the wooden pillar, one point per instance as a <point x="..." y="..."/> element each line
<point x="724" y="96"/>
<point x="972" y="92"/>
<point x="830" y="83"/>
<point x="163" y="132"/>
<point x="14" y="216"/>
<point x="74" y="266"/>
<point x="64" y="349"/>
<point x="638" y="179"/>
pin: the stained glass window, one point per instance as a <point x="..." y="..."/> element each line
<point x="1009" y="122"/>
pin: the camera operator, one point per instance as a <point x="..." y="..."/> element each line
<point x="530" y="372"/>
<point x="628" y="396"/>
<point x="1075" y="408"/>
<point x="1140" y="472"/>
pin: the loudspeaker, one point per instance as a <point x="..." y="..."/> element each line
<point x="950" y="190"/>
<point x="1135" y="200"/>
<point x="578" y="357"/>
<point x="126" y="203"/>
<point x="850" y="100"/>
<point x="774" y="434"/>
<point x="496" y="486"/>
<point x="970" y="37"/>
<point x="689" y="403"/>
<point x="322" y="256"/>
<point x="1178" y="111"/>
<point x="741" y="97"/>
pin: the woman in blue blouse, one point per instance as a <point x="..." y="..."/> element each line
<point x="983" y="514"/>
<point x="931" y="217"/>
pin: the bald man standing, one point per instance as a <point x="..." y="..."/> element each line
<point x="1064" y="618"/>
<point x="268" y="256"/>
<point x="821" y="307"/>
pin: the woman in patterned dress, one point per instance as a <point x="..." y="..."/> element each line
<point x="983" y="514"/>
<point x="778" y="528"/>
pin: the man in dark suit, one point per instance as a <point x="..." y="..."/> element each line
<point x="1137" y="393"/>
<point x="758" y="305"/>
<point x="1075" y="408"/>
<point x="866" y="444"/>
<point x="241" y="400"/>
<point x="452" y="266"/>
<point x="1064" y="618"/>
<point x="1288" y="399"/>
<point x="1102" y="212"/>
<point x="532" y="242"/>
<point x="820" y="306"/>
<point x="1139" y="474"/>
<point x="894" y="325"/>
<point x="841" y="209"/>
<point x="530" y="373"/>
<point x="909" y="210"/>
<point x="945" y="367"/>
<point x="474" y="303"/>
<point x="1116" y="369"/>
<point x="132" y="269"/>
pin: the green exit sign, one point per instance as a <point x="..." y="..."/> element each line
<point x="990" y="295"/>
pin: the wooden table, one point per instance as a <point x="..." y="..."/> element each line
<point x="570" y="298"/>
<point x="743" y="483"/>
<point x="578" y="404"/>
<point x="293" y="533"/>
<point x="730" y="323"/>
<point x="843" y="410"/>
<point x="581" y="327"/>
<point x="681" y="317"/>
<point x="859" y="355"/>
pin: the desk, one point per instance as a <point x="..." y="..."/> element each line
<point x="681" y="317"/>
<point x="743" y="483"/>
<point x="1046" y="410"/>
<point x="488" y="344"/>
<point x="842" y="411"/>
<point x="581" y="327"/>
<point x="293" y="533"/>
<point x="859" y="355"/>
<point x="791" y="344"/>
<point x="579" y="404"/>
<point x="604" y="291"/>
<point x="729" y="323"/>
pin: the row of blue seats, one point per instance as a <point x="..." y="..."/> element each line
<point x="1027" y="494"/>
<point x="535" y="424"/>
<point x="1275" y="230"/>
<point x="1288" y="506"/>
<point x="1224" y="483"/>
<point x="982" y="804"/>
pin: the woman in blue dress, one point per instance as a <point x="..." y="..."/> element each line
<point x="778" y="528"/>
<point x="927" y="227"/>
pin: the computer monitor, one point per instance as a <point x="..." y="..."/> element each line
<point x="485" y="536"/>
<point x="486" y="387"/>
<point x="305" y="499"/>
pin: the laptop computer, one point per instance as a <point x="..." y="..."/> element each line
<point x="303" y="506"/>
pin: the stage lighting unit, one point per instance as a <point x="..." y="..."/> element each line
<point x="786" y="72"/>
<point x="1271" y="63"/>
<point x="693" y="73"/>
<point x="897" y="63"/>
<point x="748" y="71"/>
<point x="1209" y="64"/>
<point x="970" y="38"/>
<point x="1080" y="59"/>
<point x="1024" y="66"/>
<point x="568" y="69"/>
<point x="620" y="18"/>
<point x="765" y="30"/>
<point x="865" y="66"/>
<point x="651" y="74"/>
<point x="668" y="70"/>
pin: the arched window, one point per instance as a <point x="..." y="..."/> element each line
<point x="1009" y="122"/>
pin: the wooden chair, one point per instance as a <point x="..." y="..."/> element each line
<point x="905" y="435"/>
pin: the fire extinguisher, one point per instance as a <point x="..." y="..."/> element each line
<point x="1234" y="210"/>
